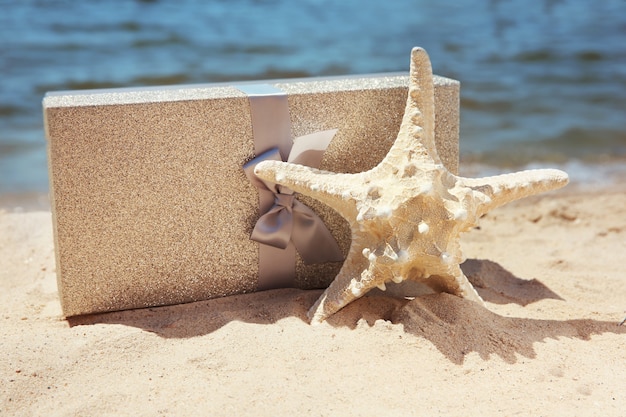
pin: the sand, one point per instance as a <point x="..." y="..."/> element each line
<point x="548" y="342"/>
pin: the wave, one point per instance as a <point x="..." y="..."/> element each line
<point x="587" y="145"/>
<point x="252" y="49"/>
<point x="11" y="110"/>
<point x="171" y="39"/>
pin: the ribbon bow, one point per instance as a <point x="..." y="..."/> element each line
<point x="287" y="219"/>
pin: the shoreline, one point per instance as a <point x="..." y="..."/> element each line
<point x="610" y="179"/>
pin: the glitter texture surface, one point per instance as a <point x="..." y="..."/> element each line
<point x="150" y="203"/>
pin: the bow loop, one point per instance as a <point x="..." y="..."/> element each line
<point x="275" y="228"/>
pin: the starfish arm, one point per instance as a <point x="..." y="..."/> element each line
<point x="395" y="209"/>
<point x="492" y="192"/>
<point x="355" y="279"/>
<point x="330" y="188"/>
<point x="416" y="138"/>
<point x="466" y="289"/>
<point x="456" y="283"/>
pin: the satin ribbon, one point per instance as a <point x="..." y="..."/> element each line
<point x="288" y="219"/>
<point x="286" y="224"/>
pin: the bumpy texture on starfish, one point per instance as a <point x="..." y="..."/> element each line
<point x="407" y="213"/>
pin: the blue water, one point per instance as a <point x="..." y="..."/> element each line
<point x="543" y="82"/>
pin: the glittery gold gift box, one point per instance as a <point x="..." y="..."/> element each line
<point x="149" y="200"/>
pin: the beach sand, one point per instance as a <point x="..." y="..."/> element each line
<point x="550" y="268"/>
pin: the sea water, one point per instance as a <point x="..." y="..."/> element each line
<point x="543" y="83"/>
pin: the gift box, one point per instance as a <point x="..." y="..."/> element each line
<point x="152" y="204"/>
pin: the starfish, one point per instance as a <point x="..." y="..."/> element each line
<point x="407" y="213"/>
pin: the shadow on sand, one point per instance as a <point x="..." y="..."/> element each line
<point x="455" y="326"/>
